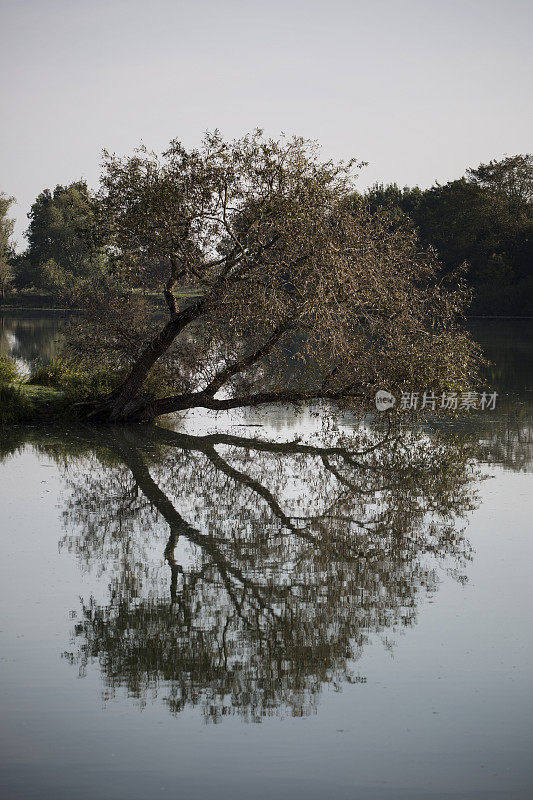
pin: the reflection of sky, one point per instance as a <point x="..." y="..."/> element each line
<point x="10" y="346"/>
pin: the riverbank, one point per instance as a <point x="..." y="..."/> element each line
<point x="37" y="302"/>
<point x="25" y="404"/>
<point x="30" y="300"/>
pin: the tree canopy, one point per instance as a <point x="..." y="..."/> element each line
<point x="484" y="219"/>
<point x="64" y="249"/>
<point x="6" y="247"/>
<point x="512" y="178"/>
<point x="296" y="296"/>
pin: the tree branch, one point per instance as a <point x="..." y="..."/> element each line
<point x="167" y="405"/>
<point x="228" y="372"/>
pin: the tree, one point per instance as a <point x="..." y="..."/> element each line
<point x="6" y="250"/>
<point x="284" y="274"/>
<point x="64" y="250"/>
<point x="464" y="223"/>
<point x="401" y="202"/>
<point x="512" y="178"/>
<point x="509" y="183"/>
<point x="484" y="221"/>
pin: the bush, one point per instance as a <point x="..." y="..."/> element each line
<point x="75" y="378"/>
<point x="79" y="381"/>
<point x="9" y="372"/>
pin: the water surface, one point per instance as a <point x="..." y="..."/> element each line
<point x="199" y="610"/>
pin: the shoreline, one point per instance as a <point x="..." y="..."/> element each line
<point x="71" y="310"/>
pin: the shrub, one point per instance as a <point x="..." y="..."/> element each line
<point x="74" y="378"/>
<point x="9" y="372"/>
<point x="80" y="381"/>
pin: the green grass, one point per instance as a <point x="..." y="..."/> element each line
<point x="41" y="394"/>
<point x="25" y="404"/>
<point x="27" y="299"/>
<point x="54" y="391"/>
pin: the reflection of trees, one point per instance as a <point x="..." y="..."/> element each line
<point x="507" y="345"/>
<point x="29" y="337"/>
<point x="504" y="438"/>
<point x="284" y="559"/>
<point x="508" y="439"/>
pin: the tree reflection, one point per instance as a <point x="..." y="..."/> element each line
<point x="30" y="335"/>
<point x="242" y="574"/>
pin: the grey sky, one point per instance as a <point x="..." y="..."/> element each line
<point x="421" y="89"/>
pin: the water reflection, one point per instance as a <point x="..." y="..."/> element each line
<point x="242" y="575"/>
<point x="504" y="438"/>
<point x="30" y="336"/>
<point x="509" y="440"/>
<point x="508" y="346"/>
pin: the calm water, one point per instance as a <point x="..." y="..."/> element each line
<point x="31" y="335"/>
<point x="251" y="609"/>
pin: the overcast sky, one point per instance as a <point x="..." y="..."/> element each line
<point x="421" y="89"/>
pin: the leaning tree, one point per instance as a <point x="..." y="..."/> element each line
<point x="275" y="288"/>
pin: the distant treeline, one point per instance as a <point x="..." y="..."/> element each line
<point x="482" y="223"/>
<point x="66" y="247"/>
<point x="484" y="220"/>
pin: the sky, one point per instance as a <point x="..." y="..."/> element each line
<point x="420" y="89"/>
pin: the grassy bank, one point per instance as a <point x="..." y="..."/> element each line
<point x="54" y="392"/>
<point x="47" y="394"/>
<point x="25" y="404"/>
<point x="30" y="300"/>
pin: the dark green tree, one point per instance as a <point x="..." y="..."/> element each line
<point x="511" y="178"/>
<point x="459" y="219"/>
<point x="6" y="247"/>
<point x="484" y="220"/>
<point x="64" y="248"/>
<point x="509" y="183"/>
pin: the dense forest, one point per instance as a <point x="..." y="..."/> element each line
<point x="483" y="220"/>
<point x="481" y="224"/>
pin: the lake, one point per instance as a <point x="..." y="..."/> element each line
<point x="250" y="606"/>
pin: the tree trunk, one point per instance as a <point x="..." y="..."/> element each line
<point x="124" y="403"/>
